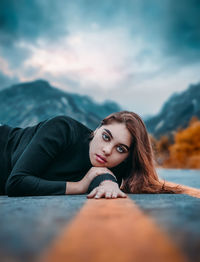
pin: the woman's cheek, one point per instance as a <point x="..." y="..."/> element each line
<point x="115" y="161"/>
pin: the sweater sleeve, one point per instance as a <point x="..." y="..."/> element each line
<point x="100" y="178"/>
<point x="26" y="176"/>
<point x="119" y="172"/>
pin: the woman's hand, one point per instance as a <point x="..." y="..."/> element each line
<point x="90" y="175"/>
<point x="107" y="188"/>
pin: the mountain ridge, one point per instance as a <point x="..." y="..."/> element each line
<point x="28" y="103"/>
<point x="176" y="112"/>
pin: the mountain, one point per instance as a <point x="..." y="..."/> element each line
<point x="28" y="103"/>
<point x="176" y="112"/>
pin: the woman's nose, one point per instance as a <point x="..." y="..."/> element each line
<point x="107" y="150"/>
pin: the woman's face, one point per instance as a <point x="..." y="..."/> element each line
<point x="110" y="145"/>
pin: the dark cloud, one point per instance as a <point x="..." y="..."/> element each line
<point x="171" y="27"/>
<point x="15" y="56"/>
<point x="26" y="21"/>
<point x="177" y="22"/>
<point x="182" y="30"/>
<point x="29" y="20"/>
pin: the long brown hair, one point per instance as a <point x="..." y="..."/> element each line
<point x="141" y="176"/>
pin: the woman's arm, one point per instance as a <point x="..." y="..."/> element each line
<point x="88" y="181"/>
<point x="74" y="188"/>
<point x="104" y="174"/>
<point x="26" y="177"/>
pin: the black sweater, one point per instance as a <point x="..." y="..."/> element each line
<point x="39" y="160"/>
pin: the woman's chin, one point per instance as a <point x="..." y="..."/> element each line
<point x="96" y="164"/>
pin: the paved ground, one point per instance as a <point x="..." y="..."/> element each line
<point x="30" y="224"/>
<point x="186" y="177"/>
<point x="178" y="216"/>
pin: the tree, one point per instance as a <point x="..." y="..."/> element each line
<point x="185" y="152"/>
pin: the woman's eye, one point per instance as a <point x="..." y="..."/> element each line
<point x="120" y="149"/>
<point x="105" y="137"/>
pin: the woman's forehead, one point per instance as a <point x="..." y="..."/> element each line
<point x="119" y="132"/>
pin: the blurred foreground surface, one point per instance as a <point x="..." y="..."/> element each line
<point x="29" y="224"/>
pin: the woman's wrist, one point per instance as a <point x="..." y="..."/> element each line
<point x="84" y="184"/>
<point x="74" y="188"/>
<point x="99" y="179"/>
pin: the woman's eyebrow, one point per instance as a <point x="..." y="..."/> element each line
<point x="108" y="131"/>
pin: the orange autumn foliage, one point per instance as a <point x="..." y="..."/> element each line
<point x="185" y="152"/>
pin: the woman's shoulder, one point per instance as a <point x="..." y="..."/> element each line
<point x="69" y="122"/>
<point x="64" y="118"/>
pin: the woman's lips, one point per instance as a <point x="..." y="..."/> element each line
<point x="100" y="159"/>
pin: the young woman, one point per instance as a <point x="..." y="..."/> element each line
<point x="62" y="156"/>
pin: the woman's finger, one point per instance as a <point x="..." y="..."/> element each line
<point x="108" y="194"/>
<point x="114" y="195"/>
<point x="93" y="192"/>
<point x="100" y="193"/>
<point x="122" y="194"/>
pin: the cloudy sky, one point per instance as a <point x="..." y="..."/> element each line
<point x="136" y="52"/>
